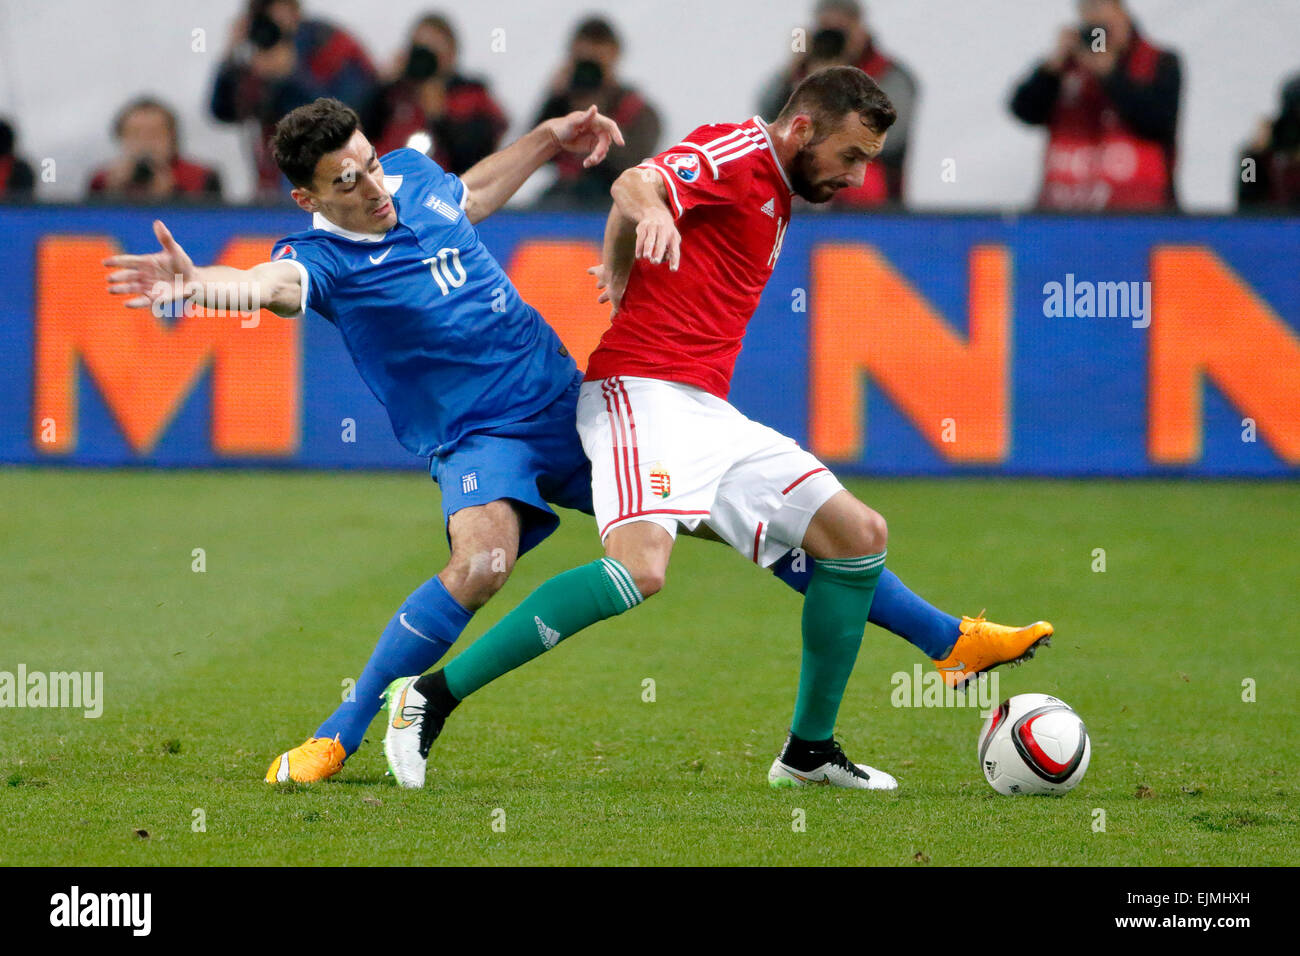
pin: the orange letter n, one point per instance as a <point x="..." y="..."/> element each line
<point x="1207" y="322"/>
<point x="867" y="319"/>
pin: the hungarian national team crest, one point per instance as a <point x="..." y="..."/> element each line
<point x="685" y="165"/>
<point x="660" y="483"/>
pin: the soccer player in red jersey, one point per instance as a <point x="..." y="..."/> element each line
<point x="691" y="241"/>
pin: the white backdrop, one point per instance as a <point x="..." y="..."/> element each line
<point x="67" y="65"/>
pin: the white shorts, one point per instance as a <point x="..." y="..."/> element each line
<point x="676" y="455"/>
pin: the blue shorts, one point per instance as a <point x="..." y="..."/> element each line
<point x="535" y="462"/>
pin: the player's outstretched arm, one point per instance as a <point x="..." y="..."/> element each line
<point x="641" y="205"/>
<point x="153" y="281"/>
<point x="494" y="179"/>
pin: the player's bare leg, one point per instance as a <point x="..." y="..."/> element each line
<point x="848" y="541"/>
<point x="844" y="527"/>
<point x="484" y="547"/>
<point x="643" y="547"/>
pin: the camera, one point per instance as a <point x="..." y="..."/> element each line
<point x="588" y="75"/>
<point x="1086" y="34"/>
<point x="142" y="172"/>
<point x="263" y="32"/>
<point x="421" y="63"/>
<point x="828" y="44"/>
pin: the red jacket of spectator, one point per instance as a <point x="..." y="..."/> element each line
<point x="17" y="178"/>
<point x="1111" y="140"/>
<point x="330" y="63"/>
<point x="188" y="179"/>
<point x="883" y="181"/>
<point x="639" y="122"/>
<point x="470" y="127"/>
<point x="875" y="188"/>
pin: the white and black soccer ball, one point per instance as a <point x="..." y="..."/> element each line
<point x="1034" y="744"/>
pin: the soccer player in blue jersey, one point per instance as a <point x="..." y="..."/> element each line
<point x="472" y="378"/>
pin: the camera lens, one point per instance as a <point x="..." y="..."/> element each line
<point x="264" y="33"/>
<point x="588" y="75"/>
<point x="828" y="44"/>
<point x="421" y="63"/>
<point x="1087" y="31"/>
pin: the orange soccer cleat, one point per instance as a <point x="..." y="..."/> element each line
<point x="984" y="646"/>
<point x="318" y="758"/>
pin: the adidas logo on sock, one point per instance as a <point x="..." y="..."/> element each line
<point x="549" y="635"/>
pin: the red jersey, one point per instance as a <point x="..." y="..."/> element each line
<point x="731" y="200"/>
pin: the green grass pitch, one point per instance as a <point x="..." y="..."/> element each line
<point x="208" y="675"/>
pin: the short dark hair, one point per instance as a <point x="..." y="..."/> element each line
<point x="439" y="22"/>
<point x="850" y="8"/>
<point x="829" y="95"/>
<point x="596" y="30"/>
<point x="306" y="134"/>
<point x="258" y="8"/>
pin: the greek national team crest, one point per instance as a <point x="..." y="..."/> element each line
<point x="444" y="209"/>
<point x="660" y="483"/>
<point x="685" y="165"/>
<point x="469" y="482"/>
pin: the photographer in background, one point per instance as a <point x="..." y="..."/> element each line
<point x="426" y="94"/>
<point x="17" y="178"/>
<point x="840" y="37"/>
<point x="1276" y="156"/>
<point x="1109" y="100"/>
<point x="277" y="60"/>
<point x="149" y="167"/>
<point x="590" y="77"/>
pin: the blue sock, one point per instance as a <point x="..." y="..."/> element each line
<point x="894" y="608"/>
<point x="424" y="627"/>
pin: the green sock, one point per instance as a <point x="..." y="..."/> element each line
<point x="834" y="615"/>
<point x="561" y="607"/>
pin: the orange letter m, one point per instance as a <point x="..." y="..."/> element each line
<point x="145" y="370"/>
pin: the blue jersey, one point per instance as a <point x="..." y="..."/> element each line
<point x="430" y="318"/>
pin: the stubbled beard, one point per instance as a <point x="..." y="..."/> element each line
<point x="801" y="180"/>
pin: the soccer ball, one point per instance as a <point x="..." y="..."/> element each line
<point x="1034" y="743"/>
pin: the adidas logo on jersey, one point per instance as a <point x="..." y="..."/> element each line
<point x="769" y="207"/>
<point x="549" y="635"/>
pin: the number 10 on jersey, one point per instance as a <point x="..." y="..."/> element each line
<point x="448" y="274"/>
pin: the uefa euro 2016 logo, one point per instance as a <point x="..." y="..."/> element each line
<point x="685" y="165"/>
